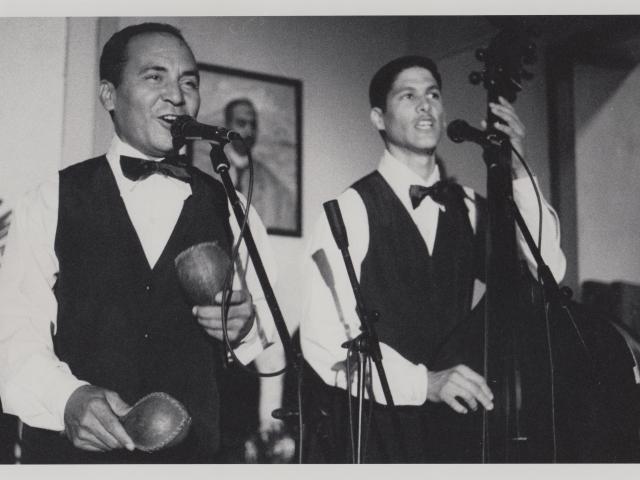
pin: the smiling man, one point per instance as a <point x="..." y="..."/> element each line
<point x="417" y="251"/>
<point x="92" y="317"/>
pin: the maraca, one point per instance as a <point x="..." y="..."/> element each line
<point x="201" y="270"/>
<point x="157" y="421"/>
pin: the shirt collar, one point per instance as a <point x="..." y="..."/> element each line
<point x="118" y="147"/>
<point x="233" y="155"/>
<point x="400" y="177"/>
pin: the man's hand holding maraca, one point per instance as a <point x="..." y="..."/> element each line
<point x="240" y="316"/>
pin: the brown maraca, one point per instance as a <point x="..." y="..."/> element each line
<point x="157" y="421"/>
<point x="201" y="270"/>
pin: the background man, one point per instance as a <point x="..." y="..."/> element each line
<point x="271" y="197"/>
<point x="417" y="260"/>
<point x="92" y="317"/>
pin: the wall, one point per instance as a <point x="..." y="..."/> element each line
<point x="607" y="173"/>
<point x="32" y="86"/>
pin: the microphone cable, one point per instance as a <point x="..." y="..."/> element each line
<point x="226" y="298"/>
<point x="228" y="283"/>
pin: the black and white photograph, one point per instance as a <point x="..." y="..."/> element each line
<point x="438" y="268"/>
<point x="266" y="111"/>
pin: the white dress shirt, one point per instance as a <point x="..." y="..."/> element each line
<point x="34" y="384"/>
<point x="329" y="317"/>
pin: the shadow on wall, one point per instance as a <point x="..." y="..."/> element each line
<point x="4" y="227"/>
<point x="8" y="423"/>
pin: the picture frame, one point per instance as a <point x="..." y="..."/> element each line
<point x="277" y="152"/>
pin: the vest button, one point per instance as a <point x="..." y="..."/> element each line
<point x="148" y="288"/>
<point x="146" y="335"/>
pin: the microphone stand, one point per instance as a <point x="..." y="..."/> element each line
<point x="366" y="344"/>
<point x="556" y="295"/>
<point x="220" y="164"/>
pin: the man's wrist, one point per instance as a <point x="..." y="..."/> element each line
<point x="63" y="395"/>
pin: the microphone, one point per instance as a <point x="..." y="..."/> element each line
<point x="334" y="216"/>
<point x="186" y="127"/>
<point x="460" y="131"/>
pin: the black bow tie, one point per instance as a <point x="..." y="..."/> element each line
<point x="439" y="192"/>
<point x="175" y="166"/>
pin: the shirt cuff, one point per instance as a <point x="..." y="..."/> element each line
<point x="44" y="407"/>
<point x="60" y="396"/>
<point x="249" y="346"/>
<point x="258" y="338"/>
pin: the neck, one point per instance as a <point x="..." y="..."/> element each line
<point x="421" y="163"/>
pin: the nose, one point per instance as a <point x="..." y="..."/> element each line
<point x="249" y="131"/>
<point x="424" y="105"/>
<point x="174" y="94"/>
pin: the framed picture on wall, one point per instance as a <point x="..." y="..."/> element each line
<point x="267" y="111"/>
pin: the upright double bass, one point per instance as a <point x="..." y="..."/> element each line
<point x="548" y="363"/>
<point x="516" y="354"/>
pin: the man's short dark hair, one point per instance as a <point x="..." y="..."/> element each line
<point x="114" y="53"/>
<point x="383" y="79"/>
<point x="228" y="109"/>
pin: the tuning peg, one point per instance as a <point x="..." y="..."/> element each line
<point x="475" y="78"/>
<point x="481" y="54"/>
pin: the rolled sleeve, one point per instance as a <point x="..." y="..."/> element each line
<point x="552" y="254"/>
<point x="34" y="384"/>
<point x="262" y="332"/>
<point x="330" y="316"/>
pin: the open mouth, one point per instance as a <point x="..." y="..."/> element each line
<point x="425" y="124"/>
<point x="168" y="119"/>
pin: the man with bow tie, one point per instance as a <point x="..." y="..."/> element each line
<point x="416" y="242"/>
<point x="92" y="317"/>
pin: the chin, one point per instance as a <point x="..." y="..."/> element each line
<point x="426" y="147"/>
<point x="163" y="148"/>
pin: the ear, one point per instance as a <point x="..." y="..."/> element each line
<point x="107" y="94"/>
<point x="377" y="118"/>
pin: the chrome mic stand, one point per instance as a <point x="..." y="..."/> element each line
<point x="366" y="344"/>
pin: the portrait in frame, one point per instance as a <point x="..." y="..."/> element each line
<point x="274" y="141"/>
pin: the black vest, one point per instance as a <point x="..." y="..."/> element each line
<point x="125" y="326"/>
<point x="423" y="303"/>
<point x="421" y="298"/>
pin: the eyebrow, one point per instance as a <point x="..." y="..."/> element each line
<point x="430" y="88"/>
<point x="191" y="73"/>
<point x="158" y="68"/>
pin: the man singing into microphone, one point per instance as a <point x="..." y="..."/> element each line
<point x="92" y="317"/>
<point x="417" y="253"/>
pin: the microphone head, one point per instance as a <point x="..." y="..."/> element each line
<point x="336" y="223"/>
<point x="457" y="131"/>
<point x="179" y="124"/>
<point x="185" y="127"/>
